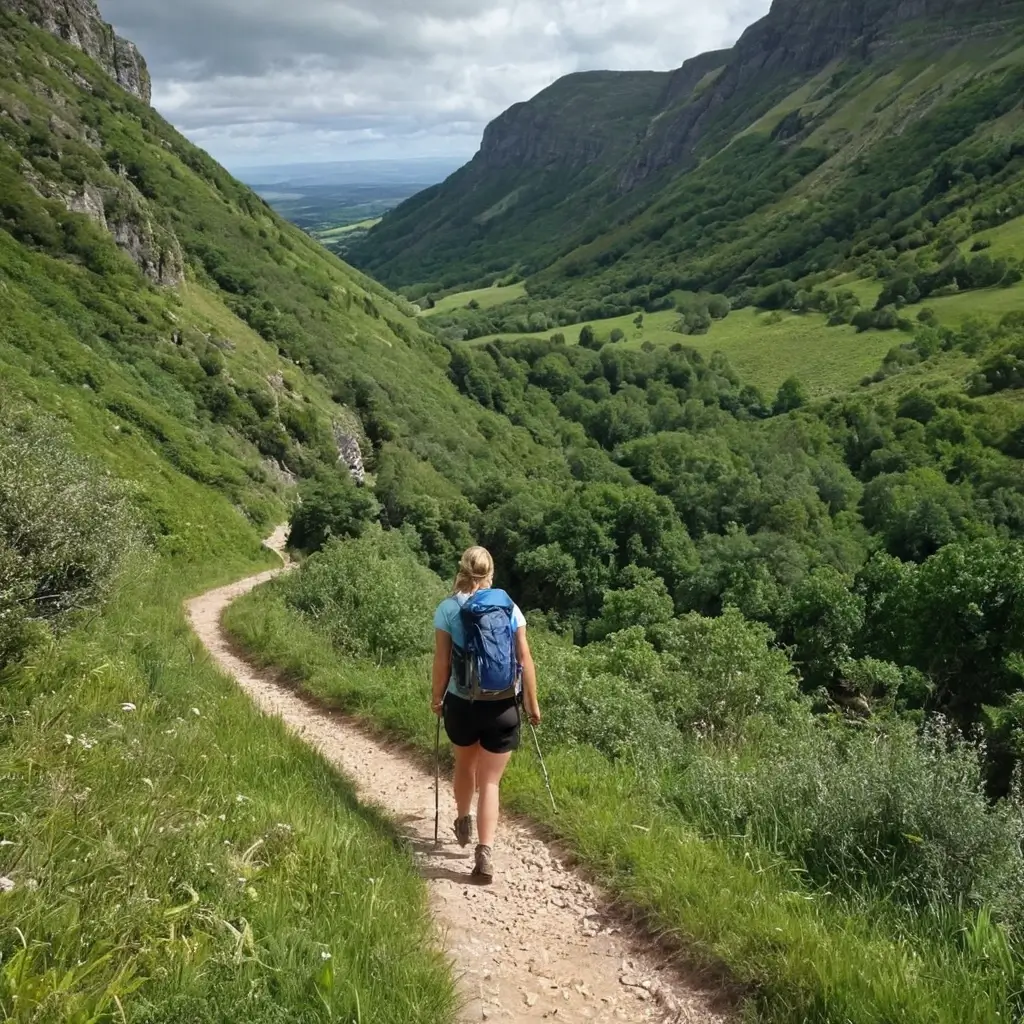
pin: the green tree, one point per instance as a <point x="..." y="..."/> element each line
<point x="644" y="601"/>
<point x="792" y="395"/>
<point x="330" y="506"/>
<point x="719" y="307"/>
<point x="826" y="619"/>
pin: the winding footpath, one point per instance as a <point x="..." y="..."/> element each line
<point x="540" y="943"/>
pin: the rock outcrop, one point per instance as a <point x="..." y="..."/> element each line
<point x="125" y="214"/>
<point x="79" y="23"/>
<point x="350" y="455"/>
<point x="580" y="120"/>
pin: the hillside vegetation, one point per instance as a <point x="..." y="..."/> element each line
<point x="174" y="357"/>
<point x="734" y="587"/>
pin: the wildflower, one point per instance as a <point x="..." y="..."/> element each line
<point x="241" y="799"/>
<point x="324" y="955"/>
<point x="6" y="842"/>
<point x="222" y="817"/>
<point x="128" y="706"/>
<point x="196" y="712"/>
<point x="68" y="739"/>
<point x="6" y="884"/>
<point x="149" y="782"/>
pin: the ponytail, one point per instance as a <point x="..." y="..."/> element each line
<point x="475" y="568"/>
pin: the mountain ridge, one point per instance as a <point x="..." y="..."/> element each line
<point x="804" y="59"/>
<point x="797" y="37"/>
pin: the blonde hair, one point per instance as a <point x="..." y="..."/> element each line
<point x="475" y="568"/>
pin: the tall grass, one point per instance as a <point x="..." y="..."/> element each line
<point x="173" y="856"/>
<point x="670" y="831"/>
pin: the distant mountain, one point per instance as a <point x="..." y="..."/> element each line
<point x="788" y="155"/>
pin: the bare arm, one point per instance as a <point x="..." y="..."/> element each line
<point x="529" y="676"/>
<point x="442" y="668"/>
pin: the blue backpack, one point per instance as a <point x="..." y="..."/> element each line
<point x="490" y="669"/>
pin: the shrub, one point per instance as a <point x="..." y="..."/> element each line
<point x="722" y="672"/>
<point x="66" y="528"/>
<point x="890" y="811"/>
<point x="600" y="695"/>
<point x="331" y="506"/>
<point x="370" y="596"/>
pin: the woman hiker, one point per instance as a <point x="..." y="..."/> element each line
<point x="484" y="730"/>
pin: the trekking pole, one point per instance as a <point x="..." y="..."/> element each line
<point x="437" y="786"/>
<point x="543" y="767"/>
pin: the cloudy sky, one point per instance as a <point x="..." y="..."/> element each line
<point x="288" y="81"/>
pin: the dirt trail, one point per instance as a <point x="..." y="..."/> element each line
<point x="540" y="943"/>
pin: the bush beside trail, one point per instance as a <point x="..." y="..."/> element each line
<point x="67" y="529"/>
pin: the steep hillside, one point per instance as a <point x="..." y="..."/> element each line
<point x="146" y="292"/>
<point x="832" y="138"/>
<point x="78" y="23"/>
<point x="525" y="183"/>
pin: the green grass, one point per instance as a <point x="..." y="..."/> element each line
<point x="486" y="297"/>
<point x="763" y="349"/>
<point x="189" y="859"/>
<point x="953" y="310"/>
<point x="1006" y="240"/>
<point x="333" y="234"/>
<point x="807" y="957"/>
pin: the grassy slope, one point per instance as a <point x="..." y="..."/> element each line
<point x="486" y="297"/>
<point x="128" y="834"/>
<point x="828" y="360"/>
<point x="807" y="959"/>
<point x="220" y="862"/>
<point x="457" y="223"/>
<point x="850" y="112"/>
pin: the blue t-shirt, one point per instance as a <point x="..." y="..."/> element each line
<point x="448" y="619"/>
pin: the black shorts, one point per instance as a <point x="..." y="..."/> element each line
<point x="494" y="724"/>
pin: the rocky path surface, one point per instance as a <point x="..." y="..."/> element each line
<point x="540" y="943"/>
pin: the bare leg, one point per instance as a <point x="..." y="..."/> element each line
<point x="466" y="760"/>
<point x="489" y="770"/>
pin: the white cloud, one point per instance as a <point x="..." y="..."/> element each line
<point x="266" y="81"/>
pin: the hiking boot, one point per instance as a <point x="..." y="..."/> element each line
<point x="464" y="829"/>
<point x="484" y="870"/>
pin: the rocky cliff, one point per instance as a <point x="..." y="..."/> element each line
<point x="579" y="120"/>
<point x="79" y="23"/>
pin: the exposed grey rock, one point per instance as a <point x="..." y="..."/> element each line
<point x="279" y="472"/>
<point x="124" y="213"/>
<point x="79" y="23"/>
<point x="90" y="203"/>
<point x="558" y="128"/>
<point x="351" y="455"/>
<point x="156" y="253"/>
